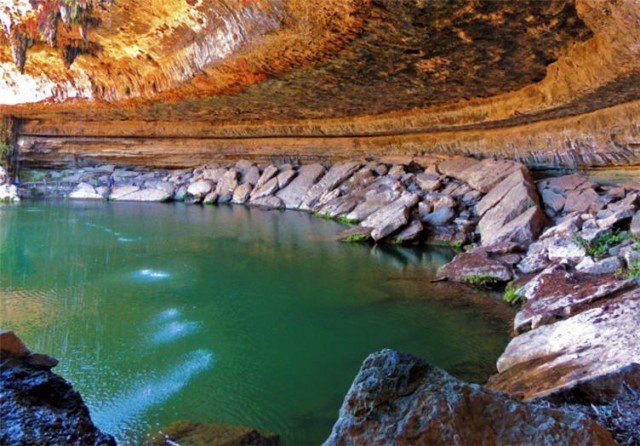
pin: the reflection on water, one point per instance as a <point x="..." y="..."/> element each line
<point x="288" y="314"/>
<point x="123" y="412"/>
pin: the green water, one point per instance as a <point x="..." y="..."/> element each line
<point x="163" y="312"/>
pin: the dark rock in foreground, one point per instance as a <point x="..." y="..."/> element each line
<point x="399" y="399"/>
<point x="38" y="407"/>
<point x="189" y="433"/>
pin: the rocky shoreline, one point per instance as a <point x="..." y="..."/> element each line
<point x="565" y="249"/>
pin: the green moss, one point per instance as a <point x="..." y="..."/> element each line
<point x="322" y="215"/>
<point x="349" y="221"/>
<point x="512" y="297"/>
<point x="356" y="238"/>
<point x="634" y="271"/>
<point x="482" y="281"/>
<point x="600" y="246"/>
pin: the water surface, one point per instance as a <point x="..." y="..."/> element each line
<point x="163" y="312"/>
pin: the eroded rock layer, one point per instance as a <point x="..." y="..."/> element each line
<point x="548" y="82"/>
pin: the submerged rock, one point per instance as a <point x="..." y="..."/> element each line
<point x="399" y="399"/>
<point x="190" y="433"/>
<point x="38" y="407"/>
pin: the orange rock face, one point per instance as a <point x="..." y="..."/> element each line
<point x="181" y="82"/>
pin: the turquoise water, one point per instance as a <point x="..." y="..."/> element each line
<point x="163" y="312"/>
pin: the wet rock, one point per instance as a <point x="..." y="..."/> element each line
<point x="355" y="234"/>
<point x="85" y="191"/>
<point x="557" y="293"/>
<point x="399" y="399"/>
<point x="293" y="194"/>
<point x="190" y="433"/>
<point x="391" y="217"/>
<point x="268" y="202"/>
<point x="241" y="193"/>
<point x="199" y="189"/>
<point x="210" y="198"/>
<point x="477" y="267"/>
<point x="588" y="358"/>
<point x="338" y="173"/>
<point x="38" y="407"/>
<point x="411" y="232"/>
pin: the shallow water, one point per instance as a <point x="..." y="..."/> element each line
<point x="163" y="312"/>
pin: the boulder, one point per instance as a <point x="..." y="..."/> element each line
<point x="609" y="265"/>
<point x="120" y="191"/>
<point x="241" y="193"/>
<point x="340" y="206"/>
<point x="455" y="166"/>
<point x="268" y="202"/>
<point x="268" y="173"/>
<point x="38" y="407"/>
<point x="522" y="229"/>
<point x="552" y="200"/>
<point x="439" y="217"/>
<point x="338" y="173"/>
<point x="521" y="180"/>
<point x="635" y="225"/>
<point x="373" y="202"/>
<point x="251" y="176"/>
<point x="429" y="182"/>
<point x="485" y="175"/>
<point x="285" y="177"/>
<point x="411" y="232"/>
<point x="397" y="399"/>
<point x="210" y="198"/>
<point x="581" y="201"/>
<point x="9" y="192"/>
<point x="142" y="195"/>
<point x="85" y="191"/>
<point x="226" y="186"/>
<point x="563" y="184"/>
<point x="266" y="189"/>
<point x="199" y="189"/>
<point x="391" y="217"/>
<point x="589" y="357"/>
<point x="294" y="193"/>
<point x="557" y="293"/>
<point x="477" y="267"/>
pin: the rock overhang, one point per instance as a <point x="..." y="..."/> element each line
<point x="548" y="82"/>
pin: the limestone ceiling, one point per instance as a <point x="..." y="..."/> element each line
<point x="282" y="59"/>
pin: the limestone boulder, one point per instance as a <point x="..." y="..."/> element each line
<point x="399" y="399"/>
<point x="85" y="191"/>
<point x="199" y="189"/>
<point x="558" y="293"/>
<point x="265" y="189"/>
<point x="241" y="193"/>
<point x="477" y="266"/>
<point x="294" y="193"/>
<point x="391" y="217"/>
<point x="589" y="357"/>
<point x="581" y="201"/>
<point x="374" y="200"/>
<point x="143" y="195"/>
<point x="227" y="185"/>
<point x="9" y="192"/>
<point x="338" y="173"/>
<point x="268" y="202"/>
<point x="268" y="173"/>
